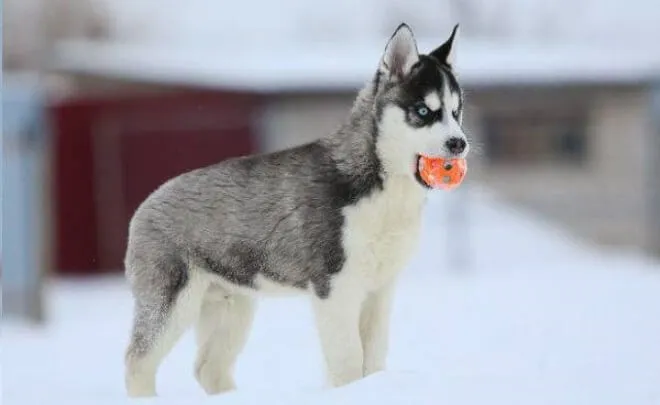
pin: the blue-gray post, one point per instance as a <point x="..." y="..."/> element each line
<point x="460" y="249"/>
<point x="24" y="197"/>
<point x="653" y="185"/>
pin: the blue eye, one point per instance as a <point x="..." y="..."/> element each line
<point x="422" y="110"/>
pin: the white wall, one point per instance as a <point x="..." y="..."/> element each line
<point x="295" y="119"/>
<point x="606" y="200"/>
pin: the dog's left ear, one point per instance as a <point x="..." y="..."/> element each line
<point x="400" y="53"/>
<point x="446" y="52"/>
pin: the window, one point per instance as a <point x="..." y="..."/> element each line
<point x="535" y="138"/>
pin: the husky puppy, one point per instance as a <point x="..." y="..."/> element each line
<point x="336" y="219"/>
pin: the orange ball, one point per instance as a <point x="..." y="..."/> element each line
<point x="439" y="173"/>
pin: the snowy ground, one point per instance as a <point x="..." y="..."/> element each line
<point x="537" y="319"/>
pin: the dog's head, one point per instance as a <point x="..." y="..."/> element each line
<point x="419" y="103"/>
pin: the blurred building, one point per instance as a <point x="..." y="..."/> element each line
<point x="563" y="132"/>
<point x="563" y="127"/>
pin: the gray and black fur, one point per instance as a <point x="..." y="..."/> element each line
<point x="278" y="217"/>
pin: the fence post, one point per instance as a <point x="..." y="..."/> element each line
<point x="25" y="197"/>
<point x="460" y="250"/>
<point x="653" y="184"/>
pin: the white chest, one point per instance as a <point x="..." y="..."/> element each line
<point x="381" y="232"/>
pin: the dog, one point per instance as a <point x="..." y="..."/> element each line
<point x="336" y="219"/>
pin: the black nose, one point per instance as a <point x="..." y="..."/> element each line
<point x="456" y="145"/>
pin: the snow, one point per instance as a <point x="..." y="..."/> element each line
<point x="538" y="317"/>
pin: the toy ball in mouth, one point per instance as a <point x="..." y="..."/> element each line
<point x="439" y="173"/>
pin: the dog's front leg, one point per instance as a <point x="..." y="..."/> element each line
<point x="374" y="329"/>
<point x="338" y="324"/>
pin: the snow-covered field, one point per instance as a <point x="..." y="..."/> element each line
<point x="536" y="319"/>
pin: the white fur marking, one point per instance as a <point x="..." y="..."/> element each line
<point x="263" y="287"/>
<point x="432" y="100"/>
<point x="381" y="232"/>
<point x="452" y="102"/>
<point x="455" y="101"/>
<point x="380" y="235"/>
<point x="451" y="98"/>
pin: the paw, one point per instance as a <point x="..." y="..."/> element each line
<point x="217" y="386"/>
<point x="140" y="388"/>
<point x="140" y="380"/>
<point x="141" y="392"/>
<point x="345" y="377"/>
<point x="214" y="382"/>
<point x="369" y="370"/>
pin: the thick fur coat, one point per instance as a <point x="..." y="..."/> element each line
<point x="336" y="219"/>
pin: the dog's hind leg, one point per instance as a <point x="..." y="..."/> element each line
<point x="165" y="307"/>
<point x="222" y="331"/>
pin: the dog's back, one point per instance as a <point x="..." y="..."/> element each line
<point x="276" y="215"/>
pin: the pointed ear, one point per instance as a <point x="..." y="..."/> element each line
<point x="446" y="52"/>
<point x="400" y="53"/>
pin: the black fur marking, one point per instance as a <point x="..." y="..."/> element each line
<point x="376" y="83"/>
<point x="239" y="264"/>
<point x="174" y="270"/>
<point x="454" y="87"/>
<point x="322" y="289"/>
<point x="426" y="76"/>
<point x="442" y="52"/>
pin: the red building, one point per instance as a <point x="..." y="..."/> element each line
<point x="111" y="151"/>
